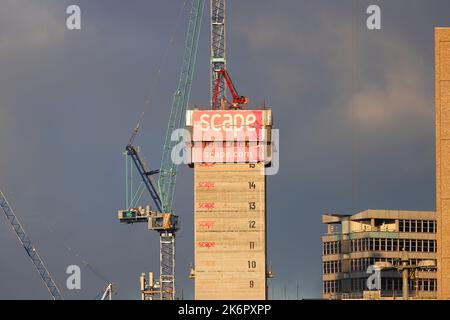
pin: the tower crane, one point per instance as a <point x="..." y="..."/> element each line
<point x="34" y="256"/>
<point x="29" y="248"/>
<point x="220" y="79"/>
<point x="161" y="217"/>
<point x="218" y="50"/>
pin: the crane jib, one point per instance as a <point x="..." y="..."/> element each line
<point x="168" y="171"/>
<point x="29" y="248"/>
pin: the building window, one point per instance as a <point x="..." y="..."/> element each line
<point x="377" y="244"/>
<point x="425" y="225"/>
<point x="395" y="245"/>
<point x="407" y="226"/>
<point x="413" y="245"/>
<point x="426" y="285"/>
<point x="383" y="244"/>
<point x="406" y="244"/>
<point x="425" y="245"/>
<point x="432" y="285"/>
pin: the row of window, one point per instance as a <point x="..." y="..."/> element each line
<point x="364" y="263"/>
<point x="383" y="244"/>
<point x="332" y="286"/>
<point x="333" y="247"/>
<point x="332" y="267"/>
<point x="425" y="285"/>
<point x="359" y="265"/>
<point x="428" y="226"/>
<point x="387" y="284"/>
<point x="395" y="284"/>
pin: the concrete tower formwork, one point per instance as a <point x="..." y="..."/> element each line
<point x="229" y="151"/>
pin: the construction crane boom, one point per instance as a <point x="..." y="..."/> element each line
<point x="163" y="220"/>
<point x="29" y="248"/>
<point x="168" y="170"/>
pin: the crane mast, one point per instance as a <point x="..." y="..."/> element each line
<point x="218" y="49"/>
<point x="29" y="248"/>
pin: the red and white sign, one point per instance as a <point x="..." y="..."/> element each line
<point x="229" y="125"/>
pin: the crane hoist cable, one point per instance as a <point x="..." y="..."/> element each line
<point x="155" y="80"/>
<point x="83" y="260"/>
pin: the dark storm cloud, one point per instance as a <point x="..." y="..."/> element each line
<point x="354" y="108"/>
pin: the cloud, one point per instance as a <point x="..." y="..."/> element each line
<point x="340" y="96"/>
<point x="34" y="26"/>
<point x="402" y="97"/>
<point x="354" y="107"/>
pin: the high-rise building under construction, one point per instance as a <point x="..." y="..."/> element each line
<point x="230" y="146"/>
<point x="229" y="151"/>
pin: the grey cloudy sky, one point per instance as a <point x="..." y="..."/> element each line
<point x="354" y="107"/>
